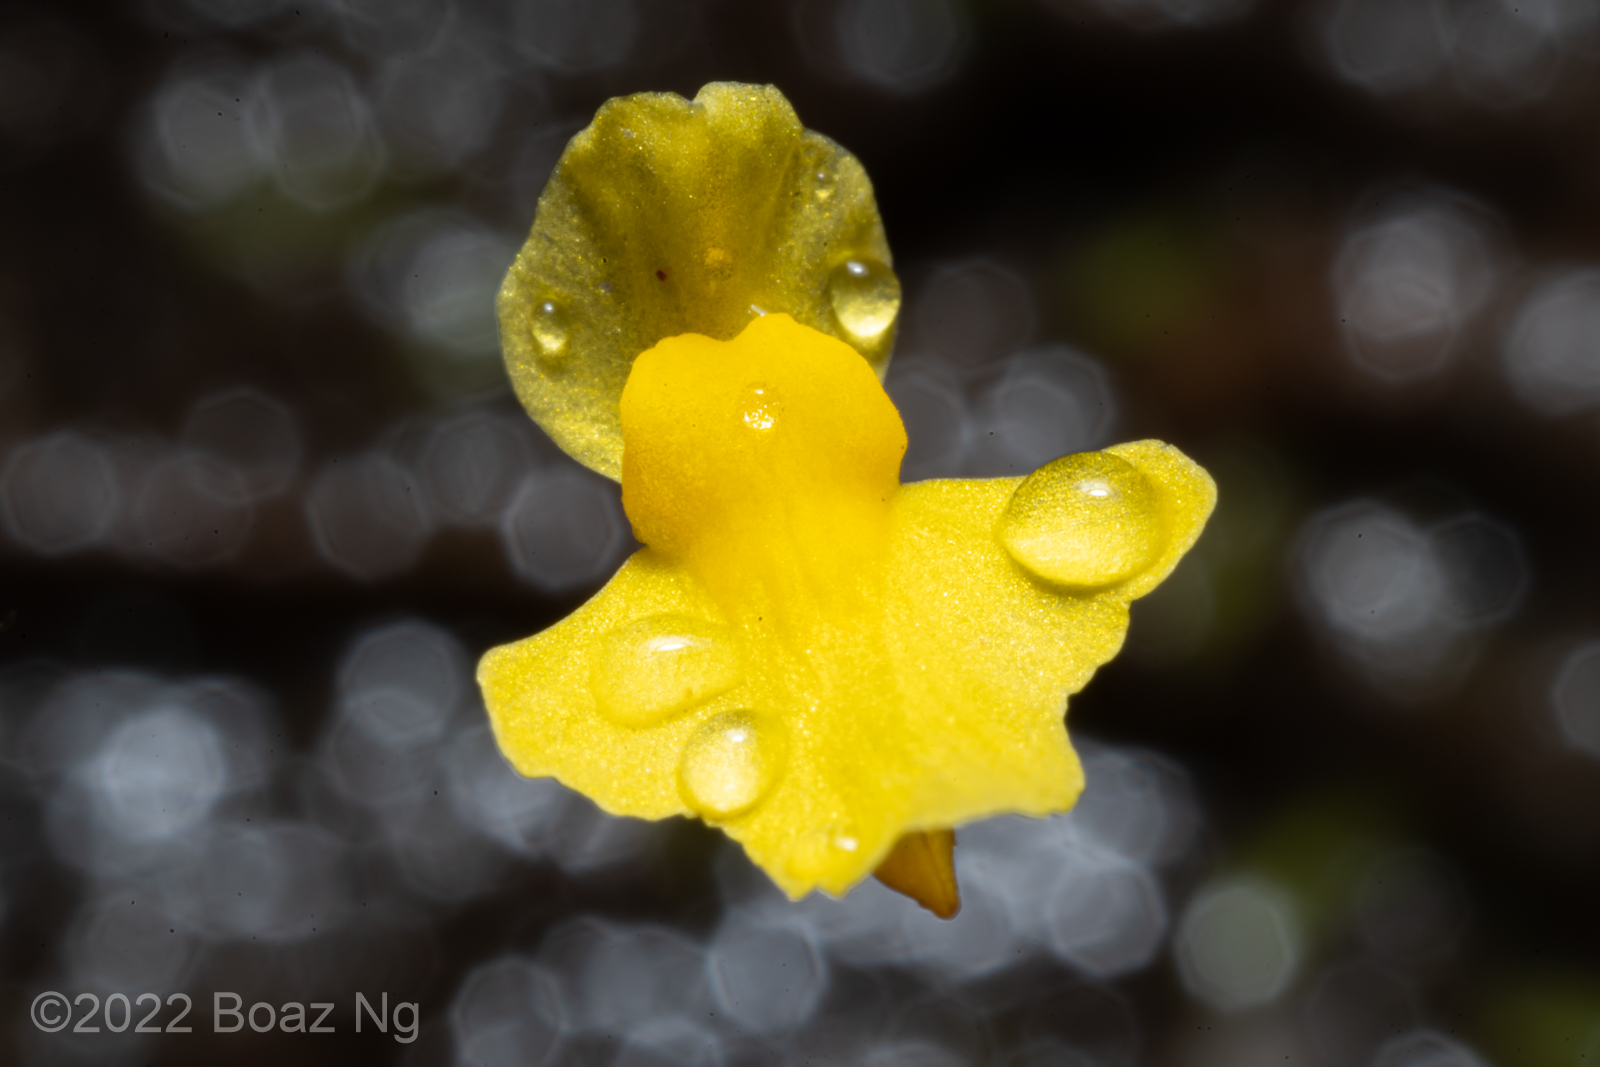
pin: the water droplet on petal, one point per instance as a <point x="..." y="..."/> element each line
<point x="821" y="852"/>
<point x="549" y="325"/>
<point x="760" y="407"/>
<point x="659" y="667"/>
<point x="865" y="296"/>
<point x="823" y="184"/>
<point x="1085" y="520"/>
<point x="730" y="764"/>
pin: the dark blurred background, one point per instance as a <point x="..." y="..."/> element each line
<point x="265" y="496"/>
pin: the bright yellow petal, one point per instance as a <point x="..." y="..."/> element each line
<point x="820" y="659"/>
<point x="666" y="217"/>
<point x="547" y="712"/>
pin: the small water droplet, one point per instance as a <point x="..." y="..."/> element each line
<point x="549" y="325"/>
<point x="865" y="296"/>
<point x="659" y="667"/>
<point x="760" y="406"/>
<point x="823" y="851"/>
<point x="823" y="184"/>
<point x="730" y="764"/>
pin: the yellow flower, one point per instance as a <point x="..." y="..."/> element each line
<point x="815" y="658"/>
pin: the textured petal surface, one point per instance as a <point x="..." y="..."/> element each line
<point x="827" y="659"/>
<point x="667" y="216"/>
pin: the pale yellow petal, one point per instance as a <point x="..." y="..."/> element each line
<point x="665" y="217"/>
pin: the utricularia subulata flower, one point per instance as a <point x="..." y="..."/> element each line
<point x="834" y="668"/>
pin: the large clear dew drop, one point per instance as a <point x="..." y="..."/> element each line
<point x="657" y="668"/>
<point x="730" y="764"/>
<point x="865" y="296"/>
<point x="1087" y="520"/>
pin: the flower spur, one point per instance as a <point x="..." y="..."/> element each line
<point x="834" y="668"/>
